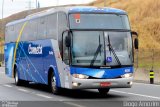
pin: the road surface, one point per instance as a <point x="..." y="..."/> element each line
<point x="38" y="95"/>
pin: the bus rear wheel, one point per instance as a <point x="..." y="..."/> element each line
<point x="16" y="77"/>
<point x="103" y="91"/>
<point x="52" y="84"/>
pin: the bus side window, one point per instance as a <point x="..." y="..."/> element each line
<point x="12" y="34"/>
<point x="62" y="26"/>
<point x="6" y="34"/>
<point x="52" y="26"/>
<point x="42" y="32"/>
<point x="33" y="30"/>
<point x="25" y="32"/>
<point x="16" y="31"/>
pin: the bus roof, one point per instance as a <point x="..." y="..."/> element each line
<point x="87" y="9"/>
<point x="74" y="9"/>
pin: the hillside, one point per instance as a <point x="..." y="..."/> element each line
<point x="145" y="19"/>
<point x="143" y="14"/>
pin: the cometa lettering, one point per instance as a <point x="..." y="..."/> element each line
<point x="35" y="50"/>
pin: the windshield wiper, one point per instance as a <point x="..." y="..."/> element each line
<point x="96" y="53"/>
<point x="112" y="50"/>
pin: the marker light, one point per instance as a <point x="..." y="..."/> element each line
<point x="127" y="75"/>
<point x="80" y="76"/>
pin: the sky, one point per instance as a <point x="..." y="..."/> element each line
<point x="15" y="6"/>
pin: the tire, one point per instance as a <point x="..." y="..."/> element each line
<point x="24" y="82"/>
<point x="18" y="82"/>
<point x="103" y="91"/>
<point x="52" y="84"/>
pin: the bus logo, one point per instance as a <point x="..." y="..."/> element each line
<point x="35" y="50"/>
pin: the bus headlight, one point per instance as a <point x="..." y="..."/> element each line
<point x="127" y="75"/>
<point x="80" y="76"/>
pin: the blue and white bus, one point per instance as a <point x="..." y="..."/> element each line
<point x="72" y="47"/>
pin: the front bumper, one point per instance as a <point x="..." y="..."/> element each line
<point x="95" y="83"/>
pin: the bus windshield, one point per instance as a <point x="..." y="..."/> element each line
<point x="90" y="48"/>
<point x="99" y="21"/>
<point x="84" y="47"/>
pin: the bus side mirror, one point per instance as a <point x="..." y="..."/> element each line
<point x="135" y="40"/>
<point x="134" y="33"/>
<point x="68" y="40"/>
<point x="66" y="35"/>
<point x="136" y="43"/>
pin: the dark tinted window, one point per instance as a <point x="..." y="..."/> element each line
<point x="98" y="21"/>
<point x="62" y="26"/>
<point x="42" y="30"/>
<point x="52" y="26"/>
<point x="34" y="30"/>
<point x="26" y="32"/>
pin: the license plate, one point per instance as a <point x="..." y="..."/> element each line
<point x="105" y="84"/>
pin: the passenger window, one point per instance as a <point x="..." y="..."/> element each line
<point x="32" y="35"/>
<point x="26" y="32"/>
<point x="62" y="26"/>
<point x="52" y="26"/>
<point x="42" y="31"/>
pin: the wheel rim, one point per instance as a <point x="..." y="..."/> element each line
<point x="53" y="83"/>
<point x="16" y="78"/>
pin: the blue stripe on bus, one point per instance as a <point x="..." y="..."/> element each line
<point x="102" y="73"/>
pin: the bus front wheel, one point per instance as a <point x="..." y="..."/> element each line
<point x="103" y="91"/>
<point x="52" y="84"/>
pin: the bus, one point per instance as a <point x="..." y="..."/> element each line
<point x="72" y="47"/>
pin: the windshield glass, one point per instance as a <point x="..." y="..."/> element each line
<point x="90" y="48"/>
<point x="121" y="43"/>
<point x="99" y="21"/>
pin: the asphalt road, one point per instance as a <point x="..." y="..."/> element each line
<point x="38" y="95"/>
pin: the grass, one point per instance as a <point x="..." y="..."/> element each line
<point x="148" y="58"/>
